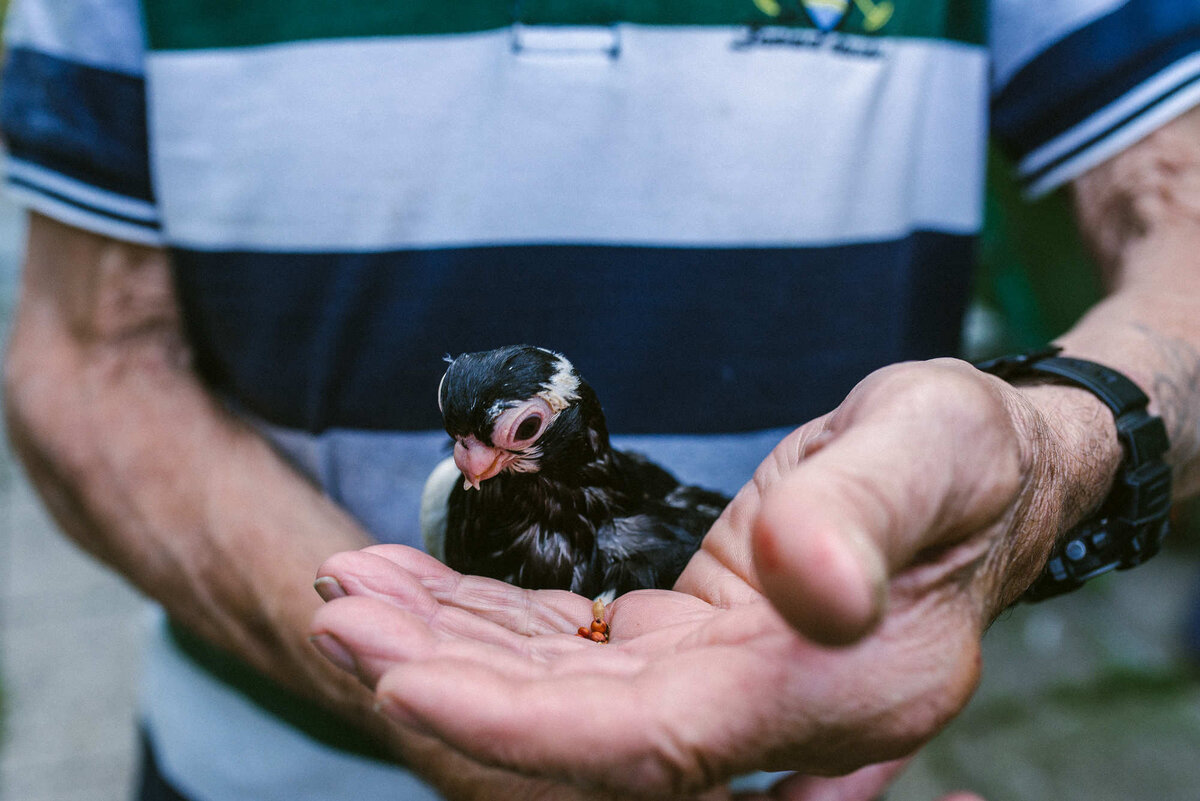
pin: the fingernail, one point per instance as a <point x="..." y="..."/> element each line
<point x="329" y="588"/>
<point x="335" y="652"/>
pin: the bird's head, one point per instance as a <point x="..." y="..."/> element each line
<point x="517" y="409"/>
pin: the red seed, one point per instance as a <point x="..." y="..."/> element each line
<point x="600" y="626"/>
<point x="583" y="632"/>
<point x="599" y="636"/>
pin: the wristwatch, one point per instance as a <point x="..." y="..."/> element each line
<point x="1130" y="525"/>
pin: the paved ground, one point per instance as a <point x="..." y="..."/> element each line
<point x="1083" y="699"/>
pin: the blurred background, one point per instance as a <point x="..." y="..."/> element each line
<point x="1087" y="698"/>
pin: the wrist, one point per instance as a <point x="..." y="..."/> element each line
<point x="1079" y="452"/>
<point x="1105" y="487"/>
<point x="1069" y="455"/>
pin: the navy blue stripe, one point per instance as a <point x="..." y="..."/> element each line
<point x="91" y="209"/>
<point x="83" y="122"/>
<point x="1091" y="68"/>
<point x="1031" y="177"/>
<point x="674" y="340"/>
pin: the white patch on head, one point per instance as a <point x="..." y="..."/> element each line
<point x="563" y="387"/>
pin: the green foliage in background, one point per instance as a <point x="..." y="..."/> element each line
<point x="1034" y="270"/>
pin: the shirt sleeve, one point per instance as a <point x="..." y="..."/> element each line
<point x="73" y="115"/>
<point x="1076" y="81"/>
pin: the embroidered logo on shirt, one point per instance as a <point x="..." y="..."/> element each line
<point x="813" y="24"/>
<point x="827" y="15"/>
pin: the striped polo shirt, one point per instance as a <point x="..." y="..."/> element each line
<point x="741" y="206"/>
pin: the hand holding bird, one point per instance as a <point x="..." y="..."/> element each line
<point x="897" y="524"/>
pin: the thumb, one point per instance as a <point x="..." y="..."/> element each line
<point x="910" y="465"/>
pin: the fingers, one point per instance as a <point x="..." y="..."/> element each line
<point x="917" y="458"/>
<point x="722" y="571"/>
<point x="367" y="637"/>
<point x="424" y="586"/>
<point x="378" y="615"/>
<point x="818" y="539"/>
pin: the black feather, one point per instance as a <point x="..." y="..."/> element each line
<point x="589" y="518"/>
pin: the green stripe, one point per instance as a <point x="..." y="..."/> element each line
<point x="194" y="24"/>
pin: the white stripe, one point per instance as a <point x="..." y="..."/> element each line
<point x="82" y="218"/>
<point x="1021" y="29"/>
<point x="1118" y="139"/>
<point x="87" y="194"/>
<point x="454" y="140"/>
<point x="100" y="33"/>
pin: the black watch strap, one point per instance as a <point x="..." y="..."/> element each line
<point x="1130" y="525"/>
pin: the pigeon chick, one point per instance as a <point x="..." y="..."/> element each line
<point x="536" y="496"/>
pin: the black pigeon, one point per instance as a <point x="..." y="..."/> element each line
<point x="537" y="497"/>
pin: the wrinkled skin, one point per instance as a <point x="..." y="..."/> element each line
<point x="888" y="534"/>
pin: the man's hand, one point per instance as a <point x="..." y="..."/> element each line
<point x="889" y="533"/>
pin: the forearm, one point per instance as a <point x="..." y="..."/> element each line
<point x="1148" y="338"/>
<point x="142" y="470"/>
<point x="1141" y="213"/>
<point x="146" y="471"/>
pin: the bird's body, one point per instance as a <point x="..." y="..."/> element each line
<point x="540" y="498"/>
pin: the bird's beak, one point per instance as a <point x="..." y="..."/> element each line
<point x="477" y="462"/>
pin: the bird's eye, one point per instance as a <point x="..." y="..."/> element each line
<point x="528" y="428"/>
<point x="517" y="427"/>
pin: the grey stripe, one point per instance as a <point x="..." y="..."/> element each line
<point x="378" y="477"/>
